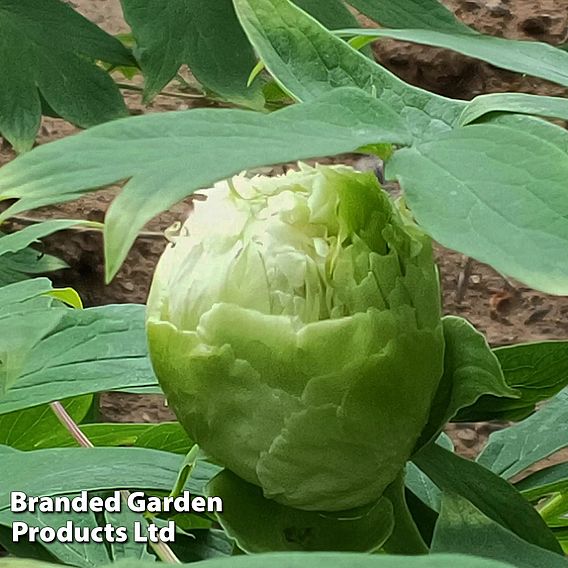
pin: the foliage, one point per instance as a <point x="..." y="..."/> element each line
<point x="486" y="178"/>
<point x="48" y="53"/>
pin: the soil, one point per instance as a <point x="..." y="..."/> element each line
<point x="507" y="312"/>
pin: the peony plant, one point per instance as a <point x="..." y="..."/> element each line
<point x="294" y="324"/>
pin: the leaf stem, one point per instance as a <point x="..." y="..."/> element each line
<point x="70" y="425"/>
<point x="162" y="550"/>
<point x="554" y="507"/>
<point x="405" y="538"/>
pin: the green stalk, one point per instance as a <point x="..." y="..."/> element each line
<point x="405" y="537"/>
<point x="162" y="550"/>
<point x="554" y="507"/>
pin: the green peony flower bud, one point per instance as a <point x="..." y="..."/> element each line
<point x="294" y="325"/>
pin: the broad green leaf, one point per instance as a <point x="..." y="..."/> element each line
<point x="492" y="495"/>
<point x="15" y="267"/>
<point x="19" y="240"/>
<point x="462" y="528"/>
<point x="302" y="560"/>
<point x="512" y="450"/>
<point x="555" y="510"/>
<point x="221" y="57"/>
<point x="27" y="325"/>
<point x="423" y="516"/>
<point x="495" y="193"/>
<point x="24" y="552"/>
<point x="523" y="103"/>
<point x="202" y="544"/>
<point x="72" y="470"/>
<point x="543" y="130"/>
<point x="20" y="294"/>
<point x="261" y="525"/>
<point x="67" y="296"/>
<point x="64" y="353"/>
<point x="81" y="554"/>
<point x="168" y="437"/>
<point x="18" y="262"/>
<point x="308" y="61"/>
<point x="427" y="14"/>
<point x="84" y="554"/>
<point x="149" y="150"/>
<point x="470" y="371"/>
<point x="562" y="536"/>
<point x="553" y="479"/>
<point x="537" y="371"/>
<point x="204" y="35"/>
<point x="331" y="13"/>
<point x="27" y="429"/>
<point x="421" y="485"/>
<point x="100" y="434"/>
<point x="45" y="48"/>
<point x="405" y="537"/>
<point x="189" y="462"/>
<point x="130" y="549"/>
<point x="155" y="389"/>
<point x="528" y="57"/>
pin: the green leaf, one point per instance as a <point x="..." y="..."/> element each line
<point x="186" y="468"/>
<point x="309" y="61"/>
<point x="302" y="560"/>
<point x="331" y="13"/>
<point x="339" y="122"/>
<point x="427" y="14"/>
<point x="27" y="325"/>
<point x="100" y="434"/>
<point x="528" y="57"/>
<point x="202" y="34"/>
<point x="18" y="262"/>
<point x="552" y="107"/>
<point x="61" y="353"/>
<point x="463" y="528"/>
<point x="470" y="371"/>
<point x="553" y="479"/>
<point x="21" y="239"/>
<point x="491" y="494"/>
<point x="72" y="470"/>
<point x="28" y="429"/>
<point x="562" y="536"/>
<point x="45" y="48"/>
<point x="421" y="485"/>
<point x="537" y="371"/>
<point x="495" y="193"/>
<point x="84" y="555"/>
<point x="130" y="549"/>
<point x="67" y="296"/>
<point x="168" y="437"/>
<point x="262" y="525"/>
<point x="512" y="450"/>
<point x="24" y="553"/>
<point x="23" y="294"/>
<point x="202" y="544"/>
<point x="15" y="267"/>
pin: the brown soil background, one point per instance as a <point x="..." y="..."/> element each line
<point x="507" y="315"/>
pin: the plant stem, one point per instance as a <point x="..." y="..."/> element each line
<point x="405" y="537"/>
<point x="554" y="507"/>
<point x="70" y="425"/>
<point x="162" y="550"/>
